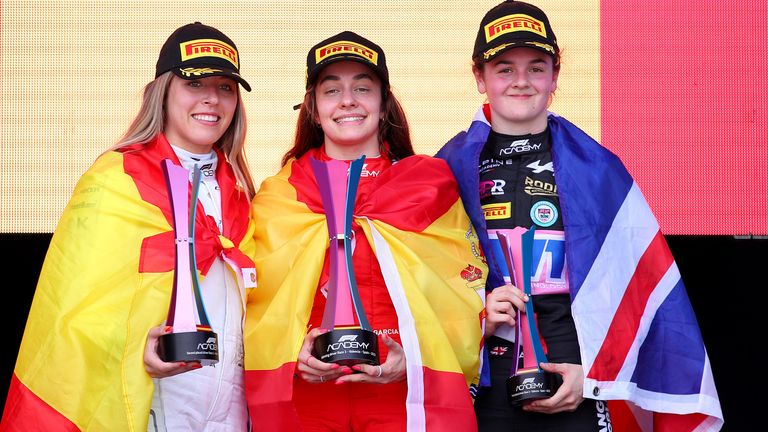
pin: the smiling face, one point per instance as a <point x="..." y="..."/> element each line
<point x="348" y="101"/>
<point x="198" y="112"/>
<point x="518" y="84"/>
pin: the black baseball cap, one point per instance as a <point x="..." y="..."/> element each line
<point x="514" y="24"/>
<point x="196" y="51"/>
<point x="347" y="45"/>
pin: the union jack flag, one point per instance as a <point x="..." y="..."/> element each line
<point x="638" y="334"/>
<point x="641" y="347"/>
<point x="498" y="350"/>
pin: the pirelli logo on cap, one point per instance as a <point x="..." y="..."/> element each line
<point x="514" y="23"/>
<point x="208" y="48"/>
<point x="497" y="211"/>
<point x="346" y="47"/>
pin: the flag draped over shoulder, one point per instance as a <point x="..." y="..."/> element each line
<point x="412" y="216"/>
<point x="106" y="280"/>
<point x="639" y="339"/>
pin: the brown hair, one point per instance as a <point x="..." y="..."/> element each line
<point x="393" y="128"/>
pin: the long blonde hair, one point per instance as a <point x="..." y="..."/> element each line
<point x="150" y="121"/>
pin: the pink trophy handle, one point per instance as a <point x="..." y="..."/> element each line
<point x="181" y="313"/>
<point x="511" y="245"/>
<point x="331" y="176"/>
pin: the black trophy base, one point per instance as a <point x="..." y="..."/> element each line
<point x="529" y="386"/>
<point x="200" y="346"/>
<point x="347" y="347"/>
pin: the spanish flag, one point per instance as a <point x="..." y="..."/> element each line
<point x="106" y="280"/>
<point x="435" y="274"/>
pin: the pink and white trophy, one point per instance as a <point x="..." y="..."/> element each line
<point x="528" y="382"/>
<point x="192" y="338"/>
<point x="351" y="340"/>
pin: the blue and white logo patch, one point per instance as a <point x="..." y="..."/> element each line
<point x="544" y="214"/>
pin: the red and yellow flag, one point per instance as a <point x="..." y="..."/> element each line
<point x="412" y="216"/>
<point x="105" y="282"/>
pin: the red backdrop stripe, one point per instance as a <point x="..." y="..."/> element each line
<point x="683" y="87"/>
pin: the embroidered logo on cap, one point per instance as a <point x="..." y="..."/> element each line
<point x="198" y="71"/>
<point x="346" y="47"/>
<point x="208" y="48"/>
<point x="544" y="46"/>
<point x="514" y="23"/>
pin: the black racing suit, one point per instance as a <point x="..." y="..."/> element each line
<point x="518" y="189"/>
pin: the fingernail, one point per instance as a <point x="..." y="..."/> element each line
<point x="197" y="366"/>
<point x="357" y="367"/>
<point x="168" y="329"/>
<point x="334" y="366"/>
<point x="183" y="364"/>
<point x="346" y="370"/>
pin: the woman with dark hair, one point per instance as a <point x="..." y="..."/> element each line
<point x="393" y="127"/>
<point x="415" y="259"/>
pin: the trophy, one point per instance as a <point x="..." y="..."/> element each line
<point x="528" y="382"/>
<point x="351" y="340"/>
<point x="192" y="338"/>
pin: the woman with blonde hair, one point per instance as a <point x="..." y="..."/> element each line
<point x="88" y="358"/>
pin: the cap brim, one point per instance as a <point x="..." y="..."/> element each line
<point x="523" y="43"/>
<point x="316" y="72"/>
<point x="215" y="71"/>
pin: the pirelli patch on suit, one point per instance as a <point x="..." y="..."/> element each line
<point x="497" y="211"/>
